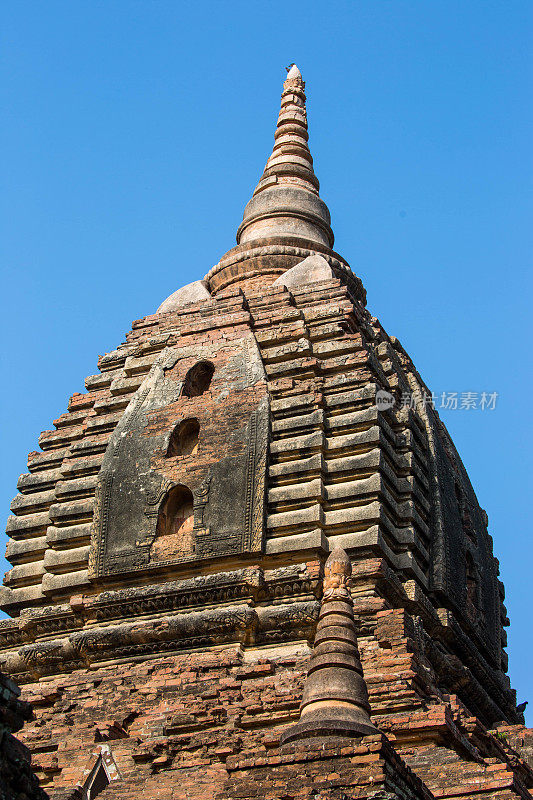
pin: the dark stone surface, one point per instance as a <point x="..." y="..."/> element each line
<point x="17" y="781"/>
<point x="460" y="536"/>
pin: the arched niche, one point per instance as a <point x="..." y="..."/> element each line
<point x="198" y="379"/>
<point x="175" y="522"/>
<point x="184" y="438"/>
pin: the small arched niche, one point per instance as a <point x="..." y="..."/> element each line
<point x="198" y="379"/>
<point x="184" y="438"/>
<point x="175" y="522"/>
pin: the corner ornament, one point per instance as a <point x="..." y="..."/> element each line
<point x="335" y="697"/>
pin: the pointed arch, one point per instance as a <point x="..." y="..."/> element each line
<point x="184" y="438"/>
<point x="175" y="523"/>
<point x="198" y="379"/>
<point x="103" y="771"/>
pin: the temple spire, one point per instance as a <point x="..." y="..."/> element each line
<point x="286" y="221"/>
<point x="286" y="201"/>
<point x="291" y="159"/>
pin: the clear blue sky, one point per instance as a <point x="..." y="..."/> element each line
<point x="136" y="131"/>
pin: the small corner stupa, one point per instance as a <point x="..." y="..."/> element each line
<point x="335" y="698"/>
<point x="242" y="567"/>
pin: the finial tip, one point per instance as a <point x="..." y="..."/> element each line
<point x="293" y="72"/>
<point x="338" y="554"/>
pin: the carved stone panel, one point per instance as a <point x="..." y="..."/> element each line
<point x="230" y="502"/>
<point x="155" y="508"/>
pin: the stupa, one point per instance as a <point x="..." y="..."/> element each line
<point x="239" y="469"/>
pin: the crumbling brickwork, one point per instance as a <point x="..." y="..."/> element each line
<point x="203" y="725"/>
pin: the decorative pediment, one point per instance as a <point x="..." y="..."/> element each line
<point x="183" y="477"/>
